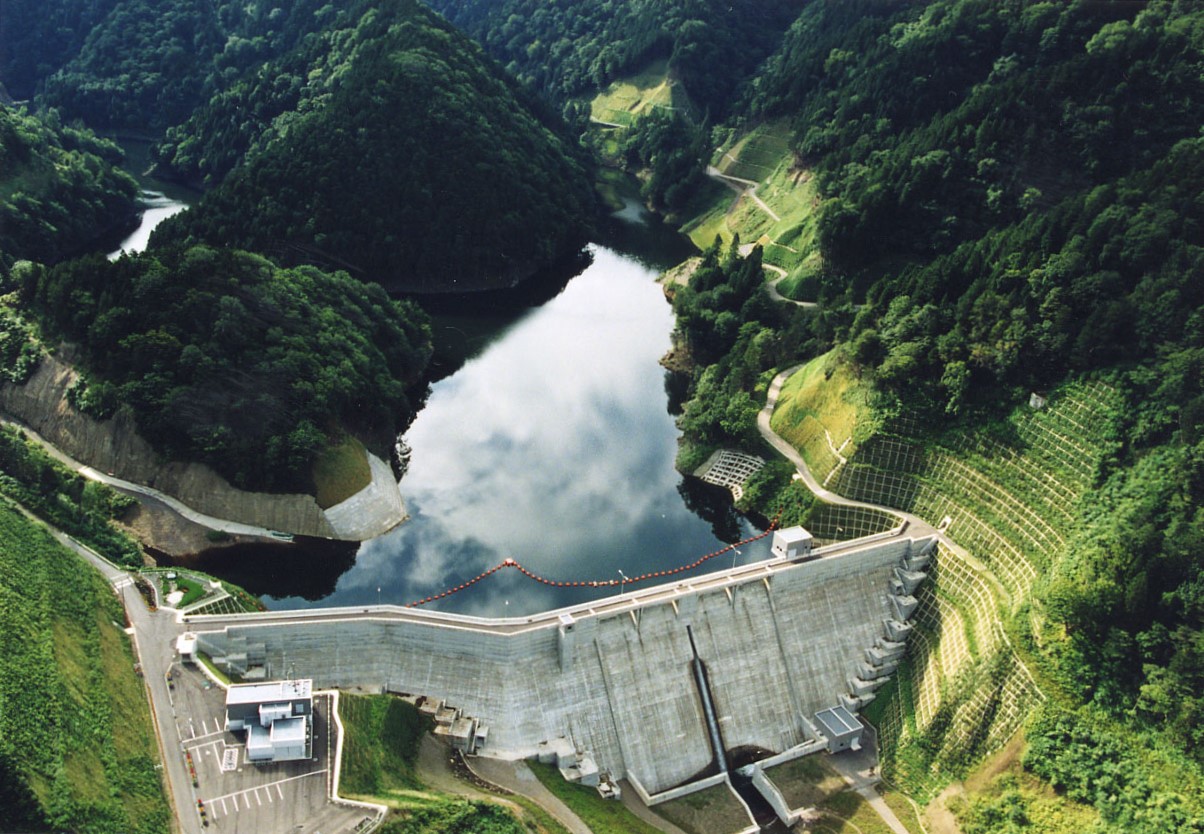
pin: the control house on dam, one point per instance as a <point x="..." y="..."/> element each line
<point x="656" y="686"/>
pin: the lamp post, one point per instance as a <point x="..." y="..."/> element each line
<point x="378" y="596"/>
<point x="735" y="550"/>
<point x="622" y="579"/>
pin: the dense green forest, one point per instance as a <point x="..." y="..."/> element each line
<point x="1028" y="204"/>
<point x="371" y="137"/>
<point x="60" y="187"/>
<point x="143" y="66"/>
<point x="77" y="751"/>
<point x="403" y="156"/>
<point x="566" y="48"/>
<point x="39" y="35"/>
<point x="227" y="359"/>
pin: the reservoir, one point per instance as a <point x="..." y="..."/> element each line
<point x="548" y="438"/>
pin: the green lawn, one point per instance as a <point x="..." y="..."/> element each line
<point x="341" y="471"/>
<point x="603" y="816"/>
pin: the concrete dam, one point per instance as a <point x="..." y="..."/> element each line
<point x="610" y="687"/>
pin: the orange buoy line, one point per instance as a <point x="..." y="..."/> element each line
<point x="594" y="583"/>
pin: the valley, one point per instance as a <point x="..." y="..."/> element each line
<point x="943" y="265"/>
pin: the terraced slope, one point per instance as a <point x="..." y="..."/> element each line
<point x="1008" y="500"/>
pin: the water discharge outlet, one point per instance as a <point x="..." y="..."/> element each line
<point x="708" y="707"/>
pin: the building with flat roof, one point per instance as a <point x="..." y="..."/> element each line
<point x="276" y="717"/>
<point x="841" y="727"/>
<point x="792" y="543"/>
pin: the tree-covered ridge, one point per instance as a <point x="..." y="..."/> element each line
<point x="38" y="36"/>
<point x="59" y="187"/>
<point x="227" y="359"/>
<point x="1024" y="173"/>
<point x="142" y="65"/>
<point x="566" y="48"/>
<point x="416" y="165"/>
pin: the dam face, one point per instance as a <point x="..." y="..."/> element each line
<point x="612" y="680"/>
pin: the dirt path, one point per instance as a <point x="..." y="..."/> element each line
<point x="750" y="188"/>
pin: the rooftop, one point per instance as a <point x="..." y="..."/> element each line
<point x="793" y="534"/>
<point x="266" y="693"/>
<point x="288" y="729"/>
<point x="838" y="721"/>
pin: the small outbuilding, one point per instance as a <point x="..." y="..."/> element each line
<point x="841" y="727"/>
<point x="186" y="647"/>
<point x="792" y="543"/>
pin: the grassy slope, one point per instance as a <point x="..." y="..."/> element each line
<point x="340" y="471"/>
<point x="74" y="723"/>
<point x="763" y="155"/>
<point x="603" y="816"/>
<point x="822" y="400"/>
<point x="625" y="99"/>
<point x="379" y="757"/>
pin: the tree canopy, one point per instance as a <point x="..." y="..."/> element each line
<point x="391" y="148"/>
<point x="60" y="187"/>
<point x="227" y="359"/>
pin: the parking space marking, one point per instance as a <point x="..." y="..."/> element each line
<point x="279" y="792"/>
<point x="225" y="810"/>
<point x="233" y="797"/>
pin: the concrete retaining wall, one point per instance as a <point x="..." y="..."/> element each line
<point x="774" y="797"/>
<point x="115" y="446"/>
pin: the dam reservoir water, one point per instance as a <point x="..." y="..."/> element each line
<point x="549" y="439"/>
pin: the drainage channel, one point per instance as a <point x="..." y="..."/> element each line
<point x="763" y="814"/>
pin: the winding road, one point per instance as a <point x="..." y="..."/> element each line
<point x="213" y="523"/>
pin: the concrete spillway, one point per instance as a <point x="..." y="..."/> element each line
<point x="780" y="640"/>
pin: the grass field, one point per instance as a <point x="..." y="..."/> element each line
<point x="626" y="99"/>
<point x="848" y="813"/>
<point x="714" y="809"/>
<point x="603" y="816"/>
<point x="77" y="750"/>
<point x="822" y="408"/>
<point x="341" y="471"/>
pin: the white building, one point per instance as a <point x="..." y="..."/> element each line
<point x="791" y="543"/>
<point x="276" y="717"/>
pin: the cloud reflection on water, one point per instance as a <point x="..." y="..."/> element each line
<point x="553" y="447"/>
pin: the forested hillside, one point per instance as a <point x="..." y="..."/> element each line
<point x="59" y="187"/>
<point x="139" y="65"/>
<point x="375" y="137"/>
<point x="395" y="150"/>
<point x="229" y="360"/>
<point x="567" y="48"/>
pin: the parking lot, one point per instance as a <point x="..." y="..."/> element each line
<point x="238" y="796"/>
